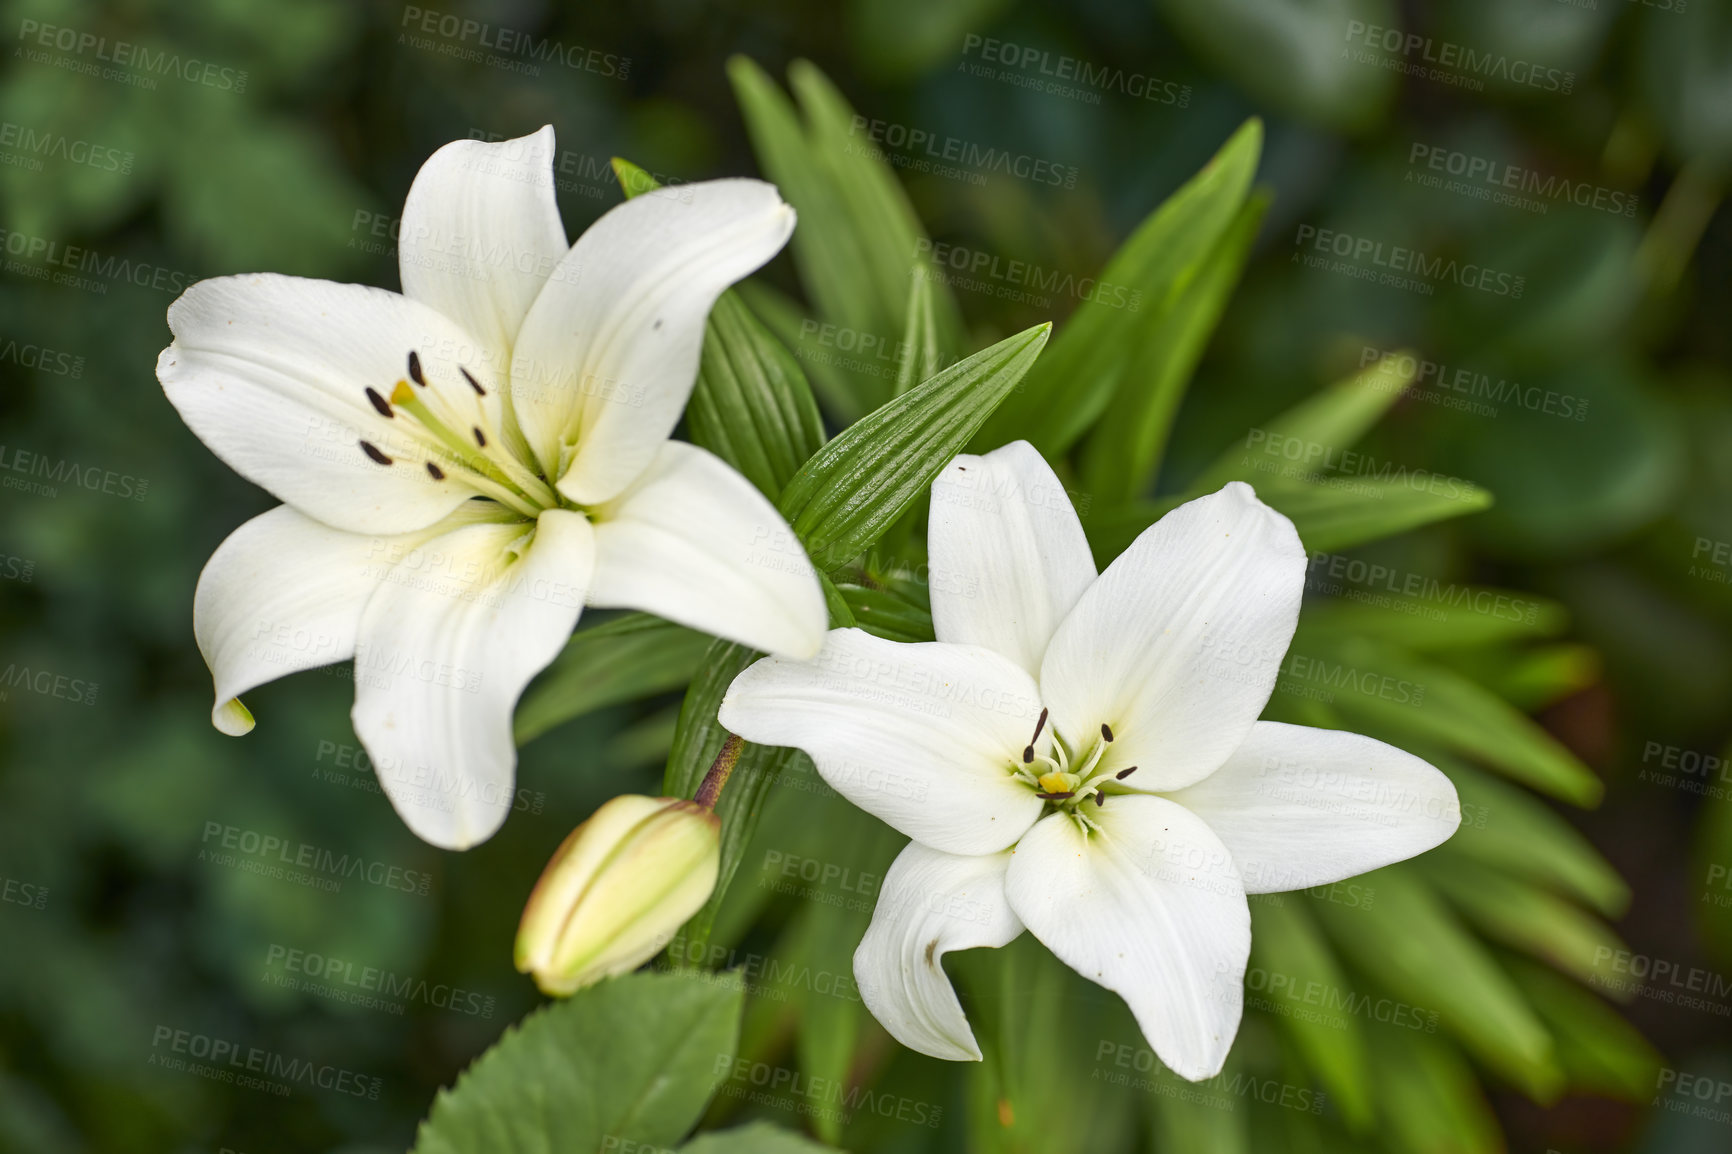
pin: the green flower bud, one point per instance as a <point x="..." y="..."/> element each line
<point x="617" y="890"/>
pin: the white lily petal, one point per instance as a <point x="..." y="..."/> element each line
<point x="1009" y="558"/>
<point x="443" y="655"/>
<point x="1149" y="906"/>
<point x="272" y="373"/>
<point x="931" y="903"/>
<point x="1177" y="645"/>
<point x="609" y="352"/>
<point x="922" y="736"/>
<point x="1302" y="807"/>
<point x="693" y="541"/>
<point x="283" y="593"/>
<point x="481" y="234"/>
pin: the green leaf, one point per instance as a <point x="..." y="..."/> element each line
<point x="859" y="483"/>
<point x="1520" y="915"/>
<point x="1287" y="945"/>
<point x="1532" y="677"/>
<point x="1506" y="828"/>
<point x="1429" y="1099"/>
<point x="1123" y="455"/>
<point x="1441" y="706"/>
<point x="1418" y="950"/>
<point x="1427" y="616"/>
<point x="752" y="406"/>
<point x="753" y="1138"/>
<point x="634" y="1058"/>
<point x="1201" y="1117"/>
<point x="887" y="614"/>
<point x="919" y="353"/>
<point x="1075" y="383"/>
<point x="1317" y="431"/>
<point x="627" y="658"/>
<point x="1601" y="1053"/>
<point x="698" y="739"/>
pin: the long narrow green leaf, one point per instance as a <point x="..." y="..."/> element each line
<point x="1416" y="948"/>
<point x="752" y="406"/>
<point x="1296" y="977"/>
<point x="858" y="484"/>
<point x="919" y="352"/>
<point x="1441" y="706"/>
<point x="1123" y="455"/>
<point x="1308" y="437"/>
<point x="1429" y="1098"/>
<point x="1075" y="384"/>
<point x="629" y="657"/>
<point x="1421" y="613"/>
<point x="1600" y="1051"/>
<point x="1507" y="828"/>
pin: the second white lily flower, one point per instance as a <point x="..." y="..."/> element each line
<point x="1080" y="755"/>
<point x="466" y="465"/>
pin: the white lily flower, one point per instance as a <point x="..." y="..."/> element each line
<point x="467" y="464"/>
<point x="1080" y="755"/>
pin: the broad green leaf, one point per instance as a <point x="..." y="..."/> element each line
<point x="1123" y="455"/>
<point x="1508" y="829"/>
<point x="1413" y="698"/>
<point x="919" y="351"/>
<point x="753" y="1138"/>
<point x="634" y="1058"/>
<point x="752" y="406"/>
<point x="788" y="323"/>
<point x="697" y="740"/>
<point x="1517" y="914"/>
<point x="841" y="613"/>
<point x="1601" y="1053"/>
<point x="627" y="658"/>
<point x="1429" y="1100"/>
<point x="1074" y="385"/>
<point x="1314" y="436"/>
<point x="858" y="484"/>
<point x="1413" y="946"/>
<point x="1532" y="677"/>
<point x="1296" y="963"/>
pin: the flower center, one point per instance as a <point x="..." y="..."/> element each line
<point x="479" y="456"/>
<point x="1069" y="775"/>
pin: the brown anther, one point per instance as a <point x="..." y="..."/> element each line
<point x="435" y="471"/>
<point x="415" y="369"/>
<point x="1038" y="726"/>
<point x="380" y="403"/>
<point x="1124" y="773"/>
<point x="473" y="383"/>
<point x="1056" y="796"/>
<point x="480" y="437"/>
<point x="1100" y="798"/>
<point x="372" y="451"/>
<point x="1106" y="732"/>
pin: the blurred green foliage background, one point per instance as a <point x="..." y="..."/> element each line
<point x="284" y="137"/>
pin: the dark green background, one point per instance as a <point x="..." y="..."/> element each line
<point x="106" y="803"/>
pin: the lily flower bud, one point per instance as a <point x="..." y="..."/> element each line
<point x="617" y="890"/>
